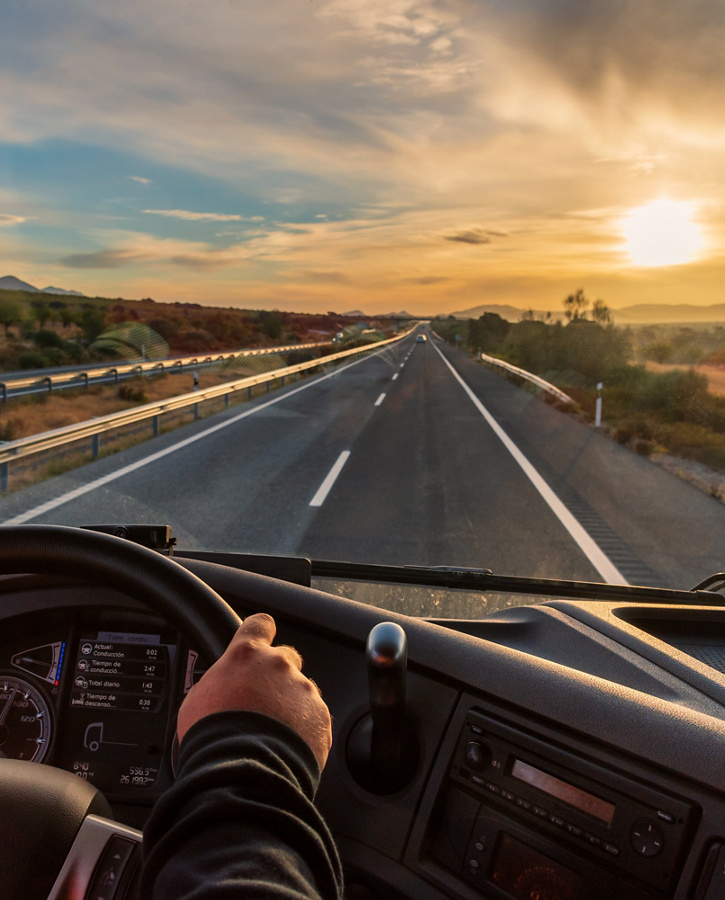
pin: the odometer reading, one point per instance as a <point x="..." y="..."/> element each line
<point x="24" y="720"/>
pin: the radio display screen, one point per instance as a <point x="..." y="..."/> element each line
<point x="526" y="873"/>
<point x="555" y="787"/>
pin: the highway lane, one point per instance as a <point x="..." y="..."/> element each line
<point x="426" y="480"/>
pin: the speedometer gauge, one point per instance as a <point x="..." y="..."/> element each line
<point x="25" y="725"/>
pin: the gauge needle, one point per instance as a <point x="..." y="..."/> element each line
<point x="8" y="704"/>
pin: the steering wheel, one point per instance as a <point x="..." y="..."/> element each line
<point x="52" y="832"/>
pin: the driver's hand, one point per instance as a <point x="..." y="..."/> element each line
<point x="253" y="675"/>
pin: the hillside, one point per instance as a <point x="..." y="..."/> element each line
<point x="638" y="314"/>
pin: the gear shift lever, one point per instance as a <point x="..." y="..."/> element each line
<point x="382" y="751"/>
<point x="386" y="656"/>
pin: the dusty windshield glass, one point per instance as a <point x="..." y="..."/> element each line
<point x="429" y="284"/>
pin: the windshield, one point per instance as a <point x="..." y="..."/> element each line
<point x="477" y="244"/>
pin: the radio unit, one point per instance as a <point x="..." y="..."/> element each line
<point x="524" y="786"/>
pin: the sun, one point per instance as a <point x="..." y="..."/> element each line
<point x="662" y="233"/>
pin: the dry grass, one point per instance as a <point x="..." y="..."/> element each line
<point x="715" y="374"/>
<point x="45" y="412"/>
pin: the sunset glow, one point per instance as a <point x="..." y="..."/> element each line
<point x="363" y="154"/>
<point x="662" y="233"/>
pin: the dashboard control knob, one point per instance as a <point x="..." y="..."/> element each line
<point x="647" y="838"/>
<point x="476" y="754"/>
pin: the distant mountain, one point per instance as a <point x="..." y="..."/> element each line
<point x="355" y="312"/>
<point x="668" y="314"/>
<point x="638" y="314"/>
<point x="55" y="290"/>
<point x="510" y="313"/>
<point x="11" y="283"/>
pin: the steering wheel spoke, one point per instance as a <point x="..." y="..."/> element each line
<point x="102" y="862"/>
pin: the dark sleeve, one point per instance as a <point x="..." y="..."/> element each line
<point x="239" y="821"/>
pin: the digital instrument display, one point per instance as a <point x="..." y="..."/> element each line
<point x="526" y="874"/>
<point x="120" y="687"/>
<point x="555" y="787"/>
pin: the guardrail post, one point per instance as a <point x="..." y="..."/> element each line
<point x="3" y="478"/>
<point x="115" y="375"/>
<point x="5" y="391"/>
<point x="50" y="382"/>
<point x="226" y="401"/>
<point x="96" y="445"/>
<point x="196" y="411"/>
<point x="267" y="386"/>
<point x="155" y="422"/>
<point x="249" y="392"/>
<point x="84" y="376"/>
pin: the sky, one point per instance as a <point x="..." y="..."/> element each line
<point x="381" y="155"/>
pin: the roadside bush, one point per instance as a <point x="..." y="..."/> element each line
<point x="132" y="391"/>
<point x="31" y="360"/>
<point x="47" y="338"/>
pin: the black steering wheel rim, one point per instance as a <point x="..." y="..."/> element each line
<point x="45" y="806"/>
<point x="165" y="587"/>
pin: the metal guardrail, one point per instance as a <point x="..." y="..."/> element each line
<point x="522" y="373"/>
<point x="140" y="368"/>
<point x="529" y="376"/>
<point x="93" y="428"/>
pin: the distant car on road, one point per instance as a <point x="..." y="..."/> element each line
<point x="421" y="339"/>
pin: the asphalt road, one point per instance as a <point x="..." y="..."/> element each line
<point x="401" y="466"/>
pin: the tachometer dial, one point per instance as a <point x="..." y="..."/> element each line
<point x="25" y="725"/>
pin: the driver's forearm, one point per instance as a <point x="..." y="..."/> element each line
<point x="239" y="822"/>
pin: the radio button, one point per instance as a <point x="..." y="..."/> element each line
<point x="557" y="820"/>
<point x="507" y="795"/>
<point x="524" y="804"/>
<point x="575" y="830"/>
<point x="611" y="849"/>
<point x="665" y="816"/>
<point x="647" y="838"/>
<point x="493" y="788"/>
<point x="541" y="812"/>
<point x="592" y="839"/>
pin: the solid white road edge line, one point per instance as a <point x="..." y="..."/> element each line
<point x="326" y="486"/>
<point x="22" y="518"/>
<point x="593" y="552"/>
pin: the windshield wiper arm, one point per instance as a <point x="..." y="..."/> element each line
<point x="485" y="580"/>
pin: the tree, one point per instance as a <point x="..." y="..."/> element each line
<point x="41" y="312"/>
<point x="575" y="306"/>
<point x="12" y="312"/>
<point x="92" y="323"/>
<point x="601" y="313"/>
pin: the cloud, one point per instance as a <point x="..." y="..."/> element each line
<point x="8" y="219"/>
<point x="324" y="277"/>
<point x="472" y="236"/>
<point x="189" y="216"/>
<point x="140" y="179"/>
<point x="101" y="259"/>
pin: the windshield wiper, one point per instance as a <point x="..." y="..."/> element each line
<point x="485" y="580"/>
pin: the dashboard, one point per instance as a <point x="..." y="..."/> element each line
<point x="566" y="750"/>
<point x="94" y="692"/>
